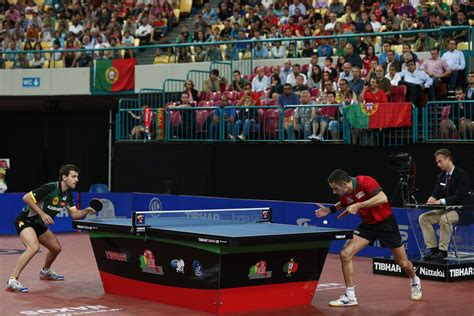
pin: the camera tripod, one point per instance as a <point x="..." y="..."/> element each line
<point x="405" y="189"/>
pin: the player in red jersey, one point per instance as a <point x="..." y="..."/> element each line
<point x="363" y="195"/>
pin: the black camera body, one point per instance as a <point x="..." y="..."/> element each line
<point x="401" y="162"/>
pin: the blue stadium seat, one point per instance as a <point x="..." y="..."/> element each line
<point x="98" y="188"/>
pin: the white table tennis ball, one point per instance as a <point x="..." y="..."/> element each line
<point x="325" y="222"/>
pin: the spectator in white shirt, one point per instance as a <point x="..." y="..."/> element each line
<point x="456" y="63"/>
<point x="332" y="22"/>
<point x="291" y="78"/>
<point x="393" y="75"/>
<point x="278" y="50"/>
<point x="76" y="28"/>
<point x="416" y="81"/>
<point x="285" y="17"/>
<point x="144" y="32"/>
<point x="260" y="82"/>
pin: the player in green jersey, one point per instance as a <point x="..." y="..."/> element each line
<point x="42" y="205"/>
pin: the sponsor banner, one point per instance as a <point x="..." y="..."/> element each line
<point x="196" y="202"/>
<point x="442" y="271"/>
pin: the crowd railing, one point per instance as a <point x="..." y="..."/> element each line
<point x="448" y="121"/>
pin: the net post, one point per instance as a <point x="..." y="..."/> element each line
<point x="134" y="220"/>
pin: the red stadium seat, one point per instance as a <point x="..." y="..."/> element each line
<point x="206" y="103"/>
<point x="212" y="96"/>
<point x="175" y="118"/>
<point x="251" y="77"/>
<point x="222" y="87"/>
<point x="271" y="124"/>
<point x="201" y="117"/>
<point x="255" y="69"/>
<point x="246" y="77"/>
<point x="399" y="94"/>
<point x="232" y="95"/>
<point x="229" y="87"/>
<point x="272" y="102"/>
<point x="288" y="118"/>
<point x="315" y="92"/>
<point x="305" y="69"/>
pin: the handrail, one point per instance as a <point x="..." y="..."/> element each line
<point x="305" y="38"/>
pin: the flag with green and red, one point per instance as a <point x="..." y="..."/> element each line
<point x="112" y="75"/>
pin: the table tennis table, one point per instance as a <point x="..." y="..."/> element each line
<point x="210" y="264"/>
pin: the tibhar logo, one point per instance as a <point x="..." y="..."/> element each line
<point x="461" y="272"/>
<point x="389" y="267"/>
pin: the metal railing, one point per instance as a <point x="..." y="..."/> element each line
<point x="293" y="123"/>
<point x="315" y="122"/>
<point x="245" y="63"/>
<point x="337" y="41"/>
<point x="448" y="121"/>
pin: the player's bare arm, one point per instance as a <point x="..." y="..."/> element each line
<point x="79" y="214"/>
<point x="30" y="201"/>
<point x="378" y="199"/>
<point x="324" y="210"/>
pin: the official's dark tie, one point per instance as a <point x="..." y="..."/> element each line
<point x="448" y="180"/>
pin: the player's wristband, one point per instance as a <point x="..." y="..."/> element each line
<point x="333" y="209"/>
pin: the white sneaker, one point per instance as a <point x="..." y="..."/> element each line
<point x="13" y="285"/>
<point x="319" y="137"/>
<point x="416" y="293"/>
<point x="344" y="300"/>
<point x="312" y="137"/>
<point x="51" y="276"/>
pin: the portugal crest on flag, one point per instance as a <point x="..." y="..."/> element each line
<point x="369" y="108"/>
<point x="112" y="75"/>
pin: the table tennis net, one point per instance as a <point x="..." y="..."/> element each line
<point x="201" y="217"/>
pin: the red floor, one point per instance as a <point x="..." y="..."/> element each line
<point x="82" y="292"/>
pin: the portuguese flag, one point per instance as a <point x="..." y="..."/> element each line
<point x="115" y="74"/>
<point x="379" y="115"/>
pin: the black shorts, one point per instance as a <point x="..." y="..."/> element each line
<point x="386" y="232"/>
<point x="22" y="221"/>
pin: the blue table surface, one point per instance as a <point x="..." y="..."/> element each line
<point x="218" y="227"/>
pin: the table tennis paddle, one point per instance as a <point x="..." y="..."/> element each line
<point x="343" y="214"/>
<point x="96" y="204"/>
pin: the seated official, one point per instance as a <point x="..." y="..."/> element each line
<point x="452" y="188"/>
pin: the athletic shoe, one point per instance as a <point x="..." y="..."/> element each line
<point x="51" y="276"/>
<point x="13" y="285"/>
<point x="311" y="137"/>
<point x="416" y="292"/>
<point x="344" y="300"/>
<point x="319" y="137"/>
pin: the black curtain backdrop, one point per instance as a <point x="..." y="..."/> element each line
<point x="38" y="143"/>
<point x="293" y="172"/>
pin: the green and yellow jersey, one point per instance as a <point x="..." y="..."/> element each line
<point x="51" y="200"/>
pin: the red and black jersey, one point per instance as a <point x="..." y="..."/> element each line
<point x="364" y="188"/>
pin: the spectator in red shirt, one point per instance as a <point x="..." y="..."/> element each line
<point x="373" y="94"/>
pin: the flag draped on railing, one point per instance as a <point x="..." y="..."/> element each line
<point x="379" y="115"/>
<point x="112" y="75"/>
